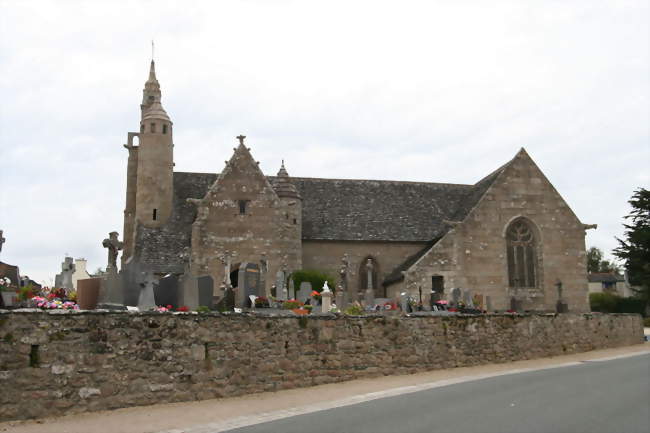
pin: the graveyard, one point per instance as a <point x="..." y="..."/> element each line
<point x="170" y="339"/>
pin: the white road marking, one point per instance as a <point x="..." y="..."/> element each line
<point x="248" y="420"/>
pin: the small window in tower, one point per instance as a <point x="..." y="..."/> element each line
<point x="295" y="221"/>
<point x="153" y="127"/>
<point x="142" y="128"/>
<point x="151" y="98"/>
<point x="155" y="212"/>
<point x="242" y="207"/>
<point x="165" y="129"/>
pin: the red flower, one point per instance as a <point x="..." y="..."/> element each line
<point x="169" y="307"/>
<point x="183" y="308"/>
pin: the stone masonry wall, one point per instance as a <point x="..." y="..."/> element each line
<point x="473" y="254"/>
<point x="53" y="363"/>
<point x="326" y="256"/>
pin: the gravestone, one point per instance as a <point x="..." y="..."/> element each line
<point x="227" y="302"/>
<point x="341" y="298"/>
<point x="404" y="302"/>
<point x="467" y="299"/>
<point x="131" y="277"/>
<point x="188" y="291"/>
<point x="111" y="295"/>
<point x="206" y="290"/>
<point x="477" y="300"/>
<point x="64" y="279"/>
<point x="305" y="291"/>
<point x="166" y="291"/>
<point x="488" y="303"/>
<point x="455" y="295"/>
<point x="146" y="300"/>
<point x="291" y="292"/>
<point x="369" y="299"/>
<point x="248" y="283"/>
<point x="280" y="286"/>
<point x="516" y="305"/>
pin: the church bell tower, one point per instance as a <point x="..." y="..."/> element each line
<point x="149" y="189"/>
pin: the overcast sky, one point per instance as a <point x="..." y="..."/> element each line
<point x="433" y="91"/>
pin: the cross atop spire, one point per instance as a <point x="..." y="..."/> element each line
<point x="241" y="139"/>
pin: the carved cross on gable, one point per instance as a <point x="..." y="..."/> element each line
<point x="241" y="139"/>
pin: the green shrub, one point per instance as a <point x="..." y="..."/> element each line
<point x="646" y="322"/>
<point x="202" y="309"/>
<point x="354" y="310"/>
<point x="316" y="278"/>
<point x="612" y="303"/>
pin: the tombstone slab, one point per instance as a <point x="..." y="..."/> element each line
<point x="88" y="293"/>
<point x="166" y="291"/>
<point x="304" y="292"/>
<point x="146" y="300"/>
<point x="188" y="294"/>
<point x="111" y="295"/>
<point x="248" y="282"/>
<point x="206" y="290"/>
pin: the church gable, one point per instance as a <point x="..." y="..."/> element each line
<point x="240" y="213"/>
<point x="521" y="238"/>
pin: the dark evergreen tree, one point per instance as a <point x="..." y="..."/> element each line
<point x="634" y="250"/>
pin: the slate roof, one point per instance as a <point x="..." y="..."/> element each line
<point x="333" y="209"/>
<point x="160" y="249"/>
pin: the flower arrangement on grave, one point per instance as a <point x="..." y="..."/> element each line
<point x="47" y="303"/>
<point x="390" y="305"/>
<point x="308" y="307"/>
<point x="163" y="309"/>
<point x="261" y="302"/>
<point x="292" y="304"/>
<point x="183" y="309"/>
<point x="316" y="295"/>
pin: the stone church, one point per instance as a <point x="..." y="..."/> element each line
<point x="510" y="236"/>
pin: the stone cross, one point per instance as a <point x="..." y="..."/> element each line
<point x="113" y="246"/>
<point x="558" y="284"/>
<point x="226" y="259"/>
<point x="2" y="240"/>
<point x="344" y="272"/>
<point x="241" y="139"/>
<point x="369" y="268"/>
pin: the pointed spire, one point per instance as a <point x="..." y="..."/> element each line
<point x="283" y="185"/>
<point x="152" y="73"/>
<point x="151" y="95"/>
<point x="283" y="171"/>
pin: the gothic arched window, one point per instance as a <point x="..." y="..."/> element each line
<point x="522" y="254"/>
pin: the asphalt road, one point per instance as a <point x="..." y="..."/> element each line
<point x="595" y="396"/>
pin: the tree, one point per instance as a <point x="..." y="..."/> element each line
<point x="594" y="256"/>
<point x="609" y="267"/>
<point x="595" y="262"/>
<point x="635" y="249"/>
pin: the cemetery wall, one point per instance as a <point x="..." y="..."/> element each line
<point x="71" y="362"/>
